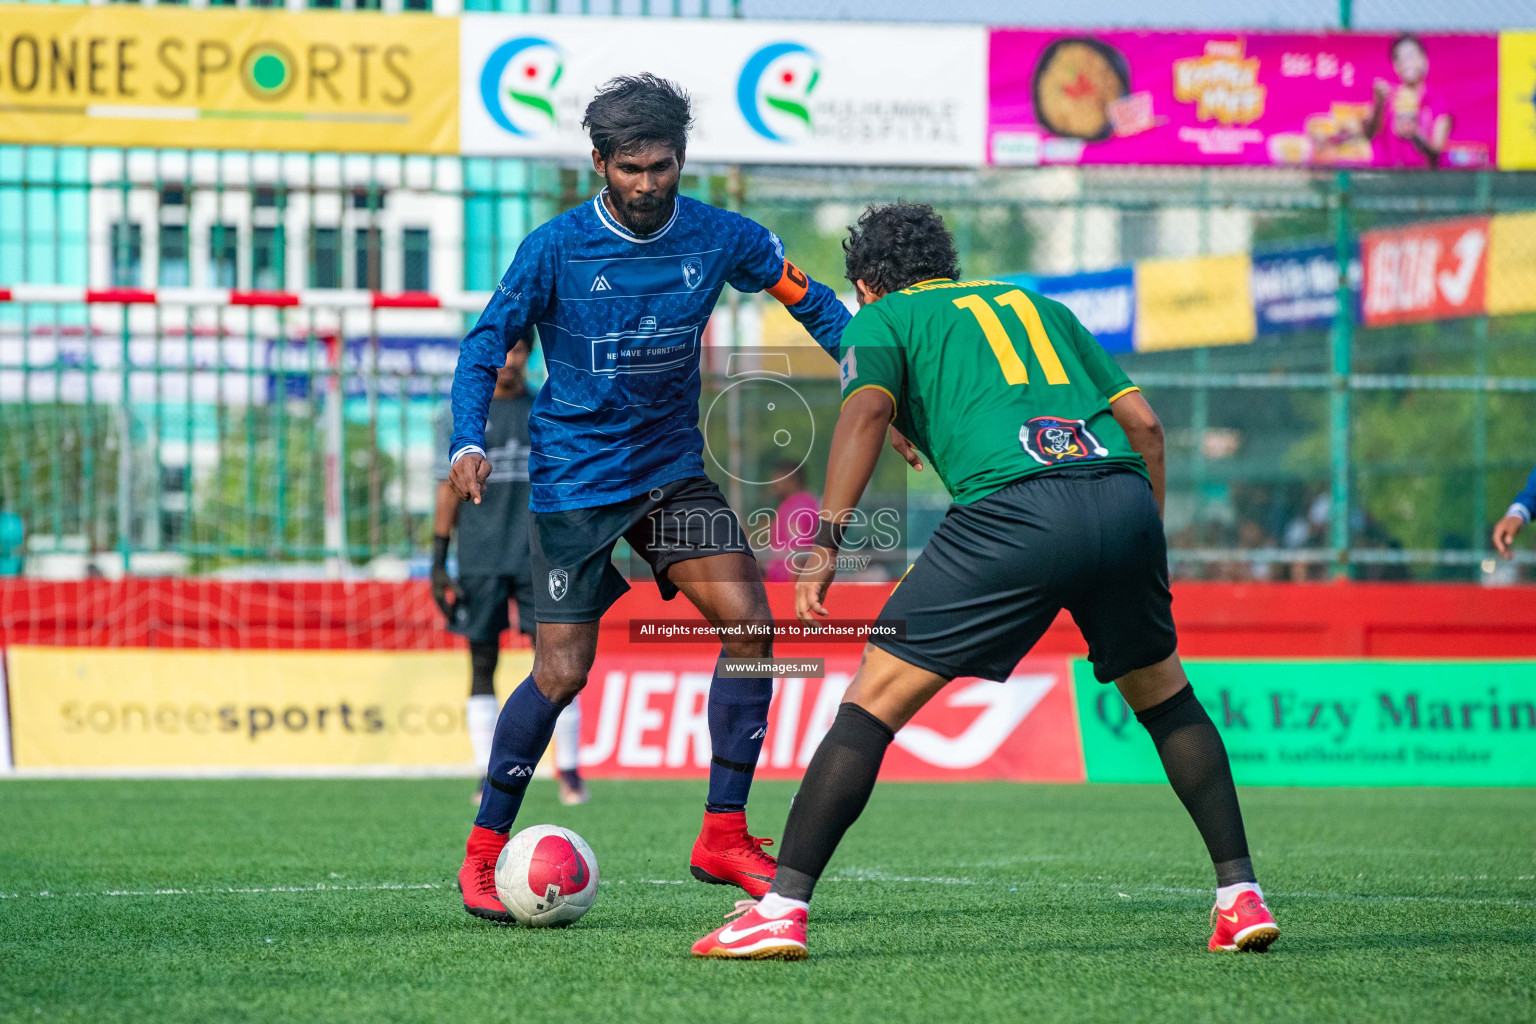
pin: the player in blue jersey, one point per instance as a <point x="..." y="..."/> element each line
<point x="1521" y="511"/>
<point x="620" y="289"/>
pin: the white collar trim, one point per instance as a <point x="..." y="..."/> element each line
<point x="613" y="225"/>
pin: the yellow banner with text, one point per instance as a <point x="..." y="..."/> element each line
<point x="1194" y="302"/>
<point x="125" y="708"/>
<point x="124" y="75"/>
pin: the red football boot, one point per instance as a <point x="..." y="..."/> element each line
<point x="1245" y="927"/>
<point x="726" y="854"/>
<point x="751" y="936"/>
<point x="477" y="878"/>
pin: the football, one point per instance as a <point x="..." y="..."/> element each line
<point x="547" y="876"/>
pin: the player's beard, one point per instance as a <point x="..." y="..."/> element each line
<point x="645" y="214"/>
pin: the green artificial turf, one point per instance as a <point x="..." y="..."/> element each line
<point x="946" y="903"/>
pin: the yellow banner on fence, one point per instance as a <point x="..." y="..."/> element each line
<point x="1190" y="303"/>
<point x="1517" y="101"/>
<point x="1511" y="264"/>
<point x="106" y="708"/>
<point x="124" y="75"/>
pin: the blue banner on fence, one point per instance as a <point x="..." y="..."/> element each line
<point x="1297" y="289"/>
<point x="1104" y="300"/>
<point x="401" y="367"/>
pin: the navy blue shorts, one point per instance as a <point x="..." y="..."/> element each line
<point x="574" y="578"/>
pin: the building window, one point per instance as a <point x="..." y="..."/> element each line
<point x="264" y="195"/>
<point x="325" y="258"/>
<point x="366" y="5"/>
<point x="175" y="268"/>
<point x="266" y="259"/>
<point x="367" y="259"/>
<point x="417" y="246"/>
<point x="329" y="5"/>
<point x="417" y="5"/>
<point x="223" y="256"/>
<point x="127" y="254"/>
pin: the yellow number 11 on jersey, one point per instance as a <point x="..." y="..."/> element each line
<point x="1002" y="344"/>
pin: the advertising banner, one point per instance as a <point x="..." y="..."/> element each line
<point x="1517" y="101"/>
<point x="1431" y="271"/>
<point x="1104" y="300"/>
<point x="1258" y="99"/>
<point x="102" y="708"/>
<point x="1338" y="723"/>
<point x="1297" y="289"/>
<point x="123" y="75"/>
<point x="1189" y="303"/>
<point x="420" y="367"/>
<point x="644" y="716"/>
<point x="1511" y="263"/>
<point x="771" y="92"/>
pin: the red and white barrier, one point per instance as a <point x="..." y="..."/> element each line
<point x="310" y="298"/>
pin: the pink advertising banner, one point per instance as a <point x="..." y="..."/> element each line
<point x="1241" y="98"/>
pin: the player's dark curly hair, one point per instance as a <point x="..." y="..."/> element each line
<point x="899" y="244"/>
<point x="636" y="110"/>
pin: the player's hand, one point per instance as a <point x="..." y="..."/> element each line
<point x="814" y="571"/>
<point x="905" y="450"/>
<point x="468" y="476"/>
<point x="1504" y="533"/>
<point x="444" y="591"/>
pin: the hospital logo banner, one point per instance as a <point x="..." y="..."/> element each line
<point x="1239" y="98"/>
<point x="763" y="92"/>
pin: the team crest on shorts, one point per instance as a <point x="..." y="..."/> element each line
<point x="559" y="583"/>
<point x="1050" y="441"/>
<point x="693" y="271"/>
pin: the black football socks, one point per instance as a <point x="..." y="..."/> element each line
<point x="483" y="656"/>
<point x="1196" y="762"/>
<point x="832" y="796"/>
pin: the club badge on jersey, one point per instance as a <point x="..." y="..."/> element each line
<point x="1052" y="441"/>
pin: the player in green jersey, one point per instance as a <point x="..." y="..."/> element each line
<point x="1055" y="464"/>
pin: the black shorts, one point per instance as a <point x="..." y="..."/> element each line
<point x="997" y="572"/>
<point x="481" y="614"/>
<point x="573" y="573"/>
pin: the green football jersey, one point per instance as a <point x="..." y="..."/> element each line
<point x="990" y="381"/>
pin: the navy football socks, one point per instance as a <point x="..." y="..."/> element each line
<point x="522" y="733"/>
<point x="738" y="722"/>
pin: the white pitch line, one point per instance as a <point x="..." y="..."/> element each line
<point x="846" y="876"/>
<point x="225" y="891"/>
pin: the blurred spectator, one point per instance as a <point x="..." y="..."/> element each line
<point x="12" y="535"/>
<point x="1309" y="530"/>
<point x="794" y="520"/>
<point x="1259" y="569"/>
<point x="1520" y="512"/>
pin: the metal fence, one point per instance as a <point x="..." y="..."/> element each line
<point x="190" y="434"/>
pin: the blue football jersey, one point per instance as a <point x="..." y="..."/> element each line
<point x="621" y="318"/>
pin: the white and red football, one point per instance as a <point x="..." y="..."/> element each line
<point x="547" y="876"/>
